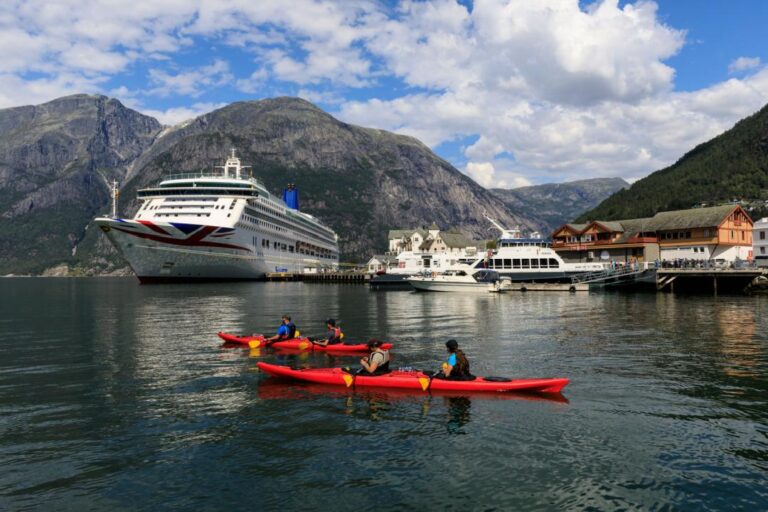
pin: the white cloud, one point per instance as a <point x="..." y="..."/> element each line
<point x="743" y="64"/>
<point x="481" y="172"/>
<point x="547" y="90"/>
<point x="176" y="115"/>
<point x="192" y="82"/>
<point x="568" y="93"/>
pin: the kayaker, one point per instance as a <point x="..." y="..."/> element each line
<point x="333" y="336"/>
<point x="457" y="365"/>
<point x="286" y="331"/>
<point x="377" y="363"/>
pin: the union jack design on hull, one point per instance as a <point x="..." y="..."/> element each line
<point x="194" y="235"/>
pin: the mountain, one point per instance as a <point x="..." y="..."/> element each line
<point x="55" y="162"/>
<point x="552" y="205"/>
<point x="732" y="165"/>
<point x="361" y="181"/>
<point x="58" y="158"/>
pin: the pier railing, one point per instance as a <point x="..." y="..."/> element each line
<point x="612" y="273"/>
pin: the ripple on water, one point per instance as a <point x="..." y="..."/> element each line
<point x="123" y="398"/>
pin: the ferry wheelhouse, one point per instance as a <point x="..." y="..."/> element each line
<point x="219" y="224"/>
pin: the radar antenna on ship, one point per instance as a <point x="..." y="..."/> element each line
<point x="232" y="165"/>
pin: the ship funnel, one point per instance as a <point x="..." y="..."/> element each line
<point x="291" y="196"/>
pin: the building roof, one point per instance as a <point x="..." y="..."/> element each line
<point x="613" y="226"/>
<point x="456" y="240"/>
<point x="693" y="218"/>
<point x="631" y="227"/>
<point x="399" y="233"/>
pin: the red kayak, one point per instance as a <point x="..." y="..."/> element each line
<point x="296" y="344"/>
<point x="274" y="389"/>
<point x="415" y="380"/>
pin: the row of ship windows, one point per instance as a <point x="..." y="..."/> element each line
<point x="301" y="248"/>
<point x="184" y="214"/>
<point x="499" y="263"/>
<point x="259" y="206"/>
<point x="149" y="206"/>
<point x="293" y="227"/>
<point x="258" y="222"/>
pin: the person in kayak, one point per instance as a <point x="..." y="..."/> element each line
<point x="333" y="336"/>
<point x="286" y="331"/>
<point x="457" y="365"/>
<point x="377" y="362"/>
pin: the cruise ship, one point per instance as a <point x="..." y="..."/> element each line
<point x="217" y="225"/>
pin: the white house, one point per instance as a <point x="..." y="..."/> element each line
<point x="380" y="262"/>
<point x="760" y="241"/>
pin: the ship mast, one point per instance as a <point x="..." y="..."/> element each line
<point x="115" y="193"/>
<point x="233" y="165"/>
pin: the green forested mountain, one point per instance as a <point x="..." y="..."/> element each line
<point x="732" y="165"/>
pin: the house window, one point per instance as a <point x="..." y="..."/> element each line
<point x="762" y="250"/>
<point x="762" y="235"/>
<point x="733" y="234"/>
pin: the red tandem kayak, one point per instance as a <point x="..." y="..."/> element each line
<point x="295" y="344"/>
<point x="415" y="380"/>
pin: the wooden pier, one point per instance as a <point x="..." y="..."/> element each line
<point x="706" y="279"/>
<point x="548" y="287"/>
<point x="325" y="277"/>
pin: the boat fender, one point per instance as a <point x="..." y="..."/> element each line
<point x="572" y="289"/>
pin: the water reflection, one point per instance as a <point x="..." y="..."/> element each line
<point x="459" y="413"/>
<point x="741" y="351"/>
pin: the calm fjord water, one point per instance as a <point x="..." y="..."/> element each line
<point x="116" y="396"/>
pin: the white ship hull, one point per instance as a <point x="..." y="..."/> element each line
<point x="160" y="252"/>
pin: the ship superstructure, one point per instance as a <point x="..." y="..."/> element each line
<point x="219" y="224"/>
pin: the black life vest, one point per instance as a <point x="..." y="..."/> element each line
<point x="462" y="365"/>
<point x="291" y="330"/>
<point x="334" y="336"/>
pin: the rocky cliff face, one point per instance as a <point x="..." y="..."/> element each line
<point x="552" y="205"/>
<point x="55" y="162"/>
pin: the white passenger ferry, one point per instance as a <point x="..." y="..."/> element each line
<point x="530" y="259"/>
<point x="218" y="224"/>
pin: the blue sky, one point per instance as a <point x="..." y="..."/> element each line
<point x="512" y="92"/>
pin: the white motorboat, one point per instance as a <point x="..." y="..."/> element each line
<point x="461" y="279"/>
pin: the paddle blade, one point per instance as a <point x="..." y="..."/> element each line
<point x="304" y="345"/>
<point x="348" y="379"/>
<point x="424" y="381"/>
<point x="254" y="343"/>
